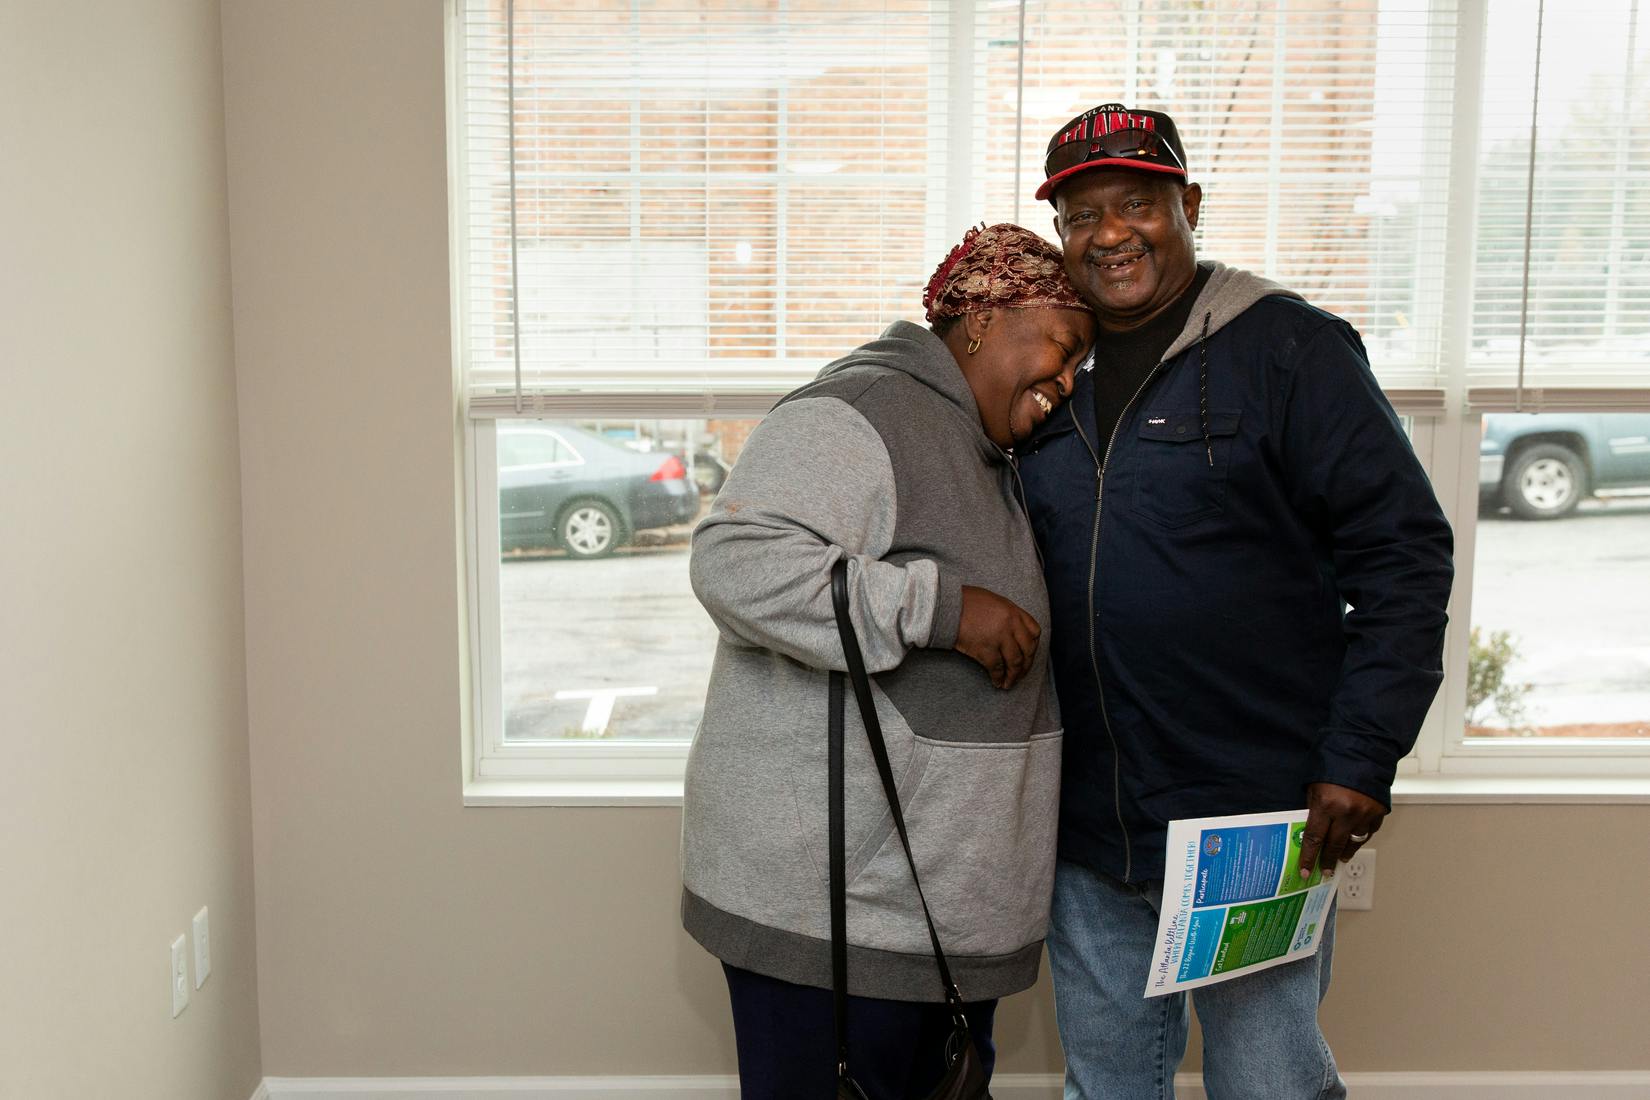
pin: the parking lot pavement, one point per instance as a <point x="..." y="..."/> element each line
<point x="583" y="630"/>
<point x="620" y="648"/>
<point x="1575" y="595"/>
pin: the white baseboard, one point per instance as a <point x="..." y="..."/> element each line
<point x="1555" y="1085"/>
<point x="499" y="1088"/>
<point x="1580" y="1085"/>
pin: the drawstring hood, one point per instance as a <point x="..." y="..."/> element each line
<point x="1203" y="389"/>
<point x="915" y="351"/>
<point x="1228" y="293"/>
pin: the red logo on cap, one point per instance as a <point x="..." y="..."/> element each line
<point x="1108" y="122"/>
<point x="1111" y="124"/>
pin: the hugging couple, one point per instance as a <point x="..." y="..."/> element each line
<point x="1205" y="575"/>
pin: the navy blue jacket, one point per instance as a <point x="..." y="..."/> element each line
<point x="1225" y="634"/>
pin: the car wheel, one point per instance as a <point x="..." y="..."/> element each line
<point x="589" y="529"/>
<point x="1545" y="481"/>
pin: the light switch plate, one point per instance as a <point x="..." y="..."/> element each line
<point x="203" y="949"/>
<point x="180" y="975"/>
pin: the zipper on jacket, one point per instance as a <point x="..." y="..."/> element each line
<point x="1100" y="463"/>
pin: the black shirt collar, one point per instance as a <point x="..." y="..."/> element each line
<point x="1153" y="338"/>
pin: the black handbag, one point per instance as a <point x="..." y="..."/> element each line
<point x="965" y="1077"/>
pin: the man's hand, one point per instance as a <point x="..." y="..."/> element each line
<point x="1339" y="821"/>
<point x="998" y="634"/>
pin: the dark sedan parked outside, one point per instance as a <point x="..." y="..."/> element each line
<point x="563" y="486"/>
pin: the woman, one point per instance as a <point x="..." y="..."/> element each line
<point x="896" y="458"/>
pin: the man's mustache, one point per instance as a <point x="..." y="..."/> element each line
<point x="1095" y="256"/>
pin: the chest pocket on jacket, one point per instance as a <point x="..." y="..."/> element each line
<point x="1174" y="482"/>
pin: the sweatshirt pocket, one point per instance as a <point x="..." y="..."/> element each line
<point x="867" y="820"/>
<point x="1180" y="478"/>
<point x="982" y="825"/>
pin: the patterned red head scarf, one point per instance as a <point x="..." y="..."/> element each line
<point x="1000" y="267"/>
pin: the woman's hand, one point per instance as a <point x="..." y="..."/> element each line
<point x="998" y="634"/>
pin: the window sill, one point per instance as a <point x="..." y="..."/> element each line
<point x="1519" y="790"/>
<point x="1409" y="790"/>
<point x="573" y="792"/>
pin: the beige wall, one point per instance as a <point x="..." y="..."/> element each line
<point x="402" y="934"/>
<point x="124" y="780"/>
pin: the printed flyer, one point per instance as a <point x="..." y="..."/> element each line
<point x="1234" y="901"/>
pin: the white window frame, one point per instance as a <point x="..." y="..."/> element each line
<point x="571" y="772"/>
<point x="1445" y="766"/>
<point x="619" y="772"/>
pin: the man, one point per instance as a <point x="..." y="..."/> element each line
<point x="1248" y="572"/>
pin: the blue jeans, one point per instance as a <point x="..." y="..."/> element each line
<point x="1261" y="1039"/>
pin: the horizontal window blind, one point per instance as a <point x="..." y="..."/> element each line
<point x="1319" y="130"/>
<point x="1561" y="294"/>
<point x="704" y="196"/>
<point x="708" y="199"/>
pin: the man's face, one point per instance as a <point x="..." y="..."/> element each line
<point x="1127" y="236"/>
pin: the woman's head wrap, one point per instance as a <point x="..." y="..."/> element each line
<point x="1002" y="266"/>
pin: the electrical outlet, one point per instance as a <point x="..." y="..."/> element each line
<point x="203" y="949"/>
<point x="1356" y="881"/>
<point x="180" y="975"/>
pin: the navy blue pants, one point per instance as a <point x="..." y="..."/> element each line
<point x="787" y="1042"/>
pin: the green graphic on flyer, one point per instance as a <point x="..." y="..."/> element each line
<point x="1258" y="932"/>
<point x="1292" y="883"/>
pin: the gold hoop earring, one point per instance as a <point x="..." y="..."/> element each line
<point x="974" y="345"/>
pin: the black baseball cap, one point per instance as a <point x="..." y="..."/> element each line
<point x="1113" y="136"/>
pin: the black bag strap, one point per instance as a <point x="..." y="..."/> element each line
<point x="879" y="752"/>
<point x="839" y="884"/>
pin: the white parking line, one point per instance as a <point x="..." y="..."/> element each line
<point x="600" y="711"/>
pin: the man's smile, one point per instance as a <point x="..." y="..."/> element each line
<point x="1118" y="264"/>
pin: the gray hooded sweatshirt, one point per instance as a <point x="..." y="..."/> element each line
<point x="882" y="459"/>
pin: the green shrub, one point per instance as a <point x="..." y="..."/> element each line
<point x="1487" y="682"/>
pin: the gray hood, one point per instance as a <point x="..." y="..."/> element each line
<point x="1228" y="293"/>
<point x="916" y="352"/>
